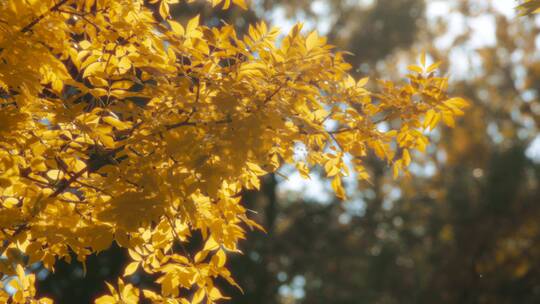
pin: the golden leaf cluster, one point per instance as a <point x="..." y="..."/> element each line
<point x="119" y="124"/>
<point x="529" y="7"/>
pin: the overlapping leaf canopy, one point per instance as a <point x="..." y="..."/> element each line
<point x="118" y="124"/>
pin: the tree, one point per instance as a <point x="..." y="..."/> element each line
<point x="467" y="232"/>
<point x="119" y="124"/>
<point x="68" y="284"/>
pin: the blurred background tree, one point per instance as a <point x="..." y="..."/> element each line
<point x="463" y="228"/>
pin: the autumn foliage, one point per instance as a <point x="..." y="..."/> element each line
<point x="529" y="7"/>
<point x="119" y="124"/>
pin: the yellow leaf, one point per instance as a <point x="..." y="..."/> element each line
<point x="106" y="140"/>
<point x="362" y="82"/>
<point x="221" y="258"/>
<point x="18" y="296"/>
<point x="378" y="148"/>
<point x="85" y="44"/>
<point x="415" y="68"/>
<point x="95" y="68"/>
<point x="303" y="170"/>
<point x="124" y="64"/>
<point x="134" y="255"/>
<point x="120" y="125"/>
<point x="448" y="119"/>
<point x="431" y="119"/>
<point x="38" y="164"/>
<point x="97" y="81"/>
<point x="192" y="25"/>
<point x="164" y="10"/>
<point x="312" y="40"/>
<point x="211" y="244"/>
<point x="406" y="157"/>
<point x="177" y="28"/>
<point x="332" y="166"/>
<point x="338" y="187"/>
<point x="70" y="196"/>
<point x="256" y="169"/>
<point x="433" y="67"/>
<point x="122" y="85"/>
<point x="10" y="202"/>
<point x="198" y="296"/>
<point x="215" y="294"/>
<point x="106" y="300"/>
<point x="131" y="268"/>
<point x="456" y="104"/>
<point x="55" y="174"/>
<point x="396" y="168"/>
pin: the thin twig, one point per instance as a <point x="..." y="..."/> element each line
<point x="83" y="17"/>
<point x="179" y="239"/>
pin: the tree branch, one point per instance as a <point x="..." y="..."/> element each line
<point x="29" y="26"/>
